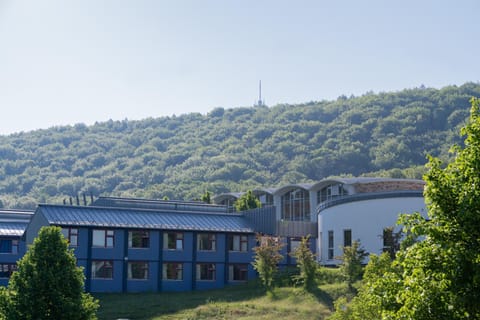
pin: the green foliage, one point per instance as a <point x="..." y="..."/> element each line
<point x="206" y="197"/>
<point x="267" y="257"/>
<point x="326" y="275"/>
<point x="306" y="263"/>
<point x="246" y="301"/>
<point x="235" y="149"/>
<point x="392" y="240"/>
<point x="352" y="260"/>
<point x="439" y="276"/>
<point x="48" y="284"/>
<point x="376" y="298"/>
<point x="247" y="201"/>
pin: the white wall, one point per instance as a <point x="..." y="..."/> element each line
<point x="366" y="219"/>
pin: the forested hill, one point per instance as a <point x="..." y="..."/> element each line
<point x="236" y="149"/>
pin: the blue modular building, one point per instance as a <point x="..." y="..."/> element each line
<point x="138" y="245"/>
<point x="12" y="247"/>
<point x="129" y="245"/>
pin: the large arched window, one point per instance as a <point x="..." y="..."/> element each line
<point x="266" y="199"/>
<point x="229" y="202"/>
<point x="296" y="205"/>
<point x="331" y="192"/>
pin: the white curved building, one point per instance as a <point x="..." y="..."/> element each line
<point x="365" y="217"/>
<point x="335" y="212"/>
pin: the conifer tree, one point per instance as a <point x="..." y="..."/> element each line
<point x="48" y="283"/>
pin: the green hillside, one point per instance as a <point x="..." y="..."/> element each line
<point x="235" y="149"/>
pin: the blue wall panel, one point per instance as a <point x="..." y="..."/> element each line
<point x="109" y="285"/>
<point x="177" y="285"/>
<point x="180" y="255"/>
<point x="148" y="285"/>
<point x="151" y="253"/>
<point x="214" y="256"/>
<point x="219" y="281"/>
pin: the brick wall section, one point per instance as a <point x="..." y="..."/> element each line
<point x="384" y="186"/>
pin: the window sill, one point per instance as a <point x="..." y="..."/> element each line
<point x="205" y="280"/>
<point x="173" y="280"/>
<point x="138" y="280"/>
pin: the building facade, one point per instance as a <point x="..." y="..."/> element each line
<point x="335" y="212"/>
<point x="12" y="247"/>
<point x="135" y="245"/>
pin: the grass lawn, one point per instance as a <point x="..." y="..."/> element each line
<point x="236" y="302"/>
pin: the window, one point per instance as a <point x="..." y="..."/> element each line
<point x="330" y="244"/>
<point x="137" y="270"/>
<point x="71" y="234"/>
<point x="8" y="246"/>
<point x="347" y="238"/>
<point x="206" y="242"/>
<point x="295" y="205"/>
<point x="205" y="271"/>
<point x="266" y="199"/>
<point x="294" y="244"/>
<point x="138" y="239"/>
<point x="331" y="192"/>
<point x="238" y="243"/>
<point x="173" y="271"/>
<point x="391" y="241"/>
<point x="6" y="269"/>
<point x="173" y="240"/>
<point x="387" y="239"/>
<point x="103" y="238"/>
<point x="102" y="269"/>
<point x="237" y="272"/>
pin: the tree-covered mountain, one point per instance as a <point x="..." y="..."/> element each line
<point x="181" y="157"/>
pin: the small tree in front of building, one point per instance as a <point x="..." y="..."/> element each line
<point x="48" y="283"/>
<point x="247" y="201"/>
<point x="352" y="263"/>
<point x="267" y="257"/>
<point x="306" y="263"/>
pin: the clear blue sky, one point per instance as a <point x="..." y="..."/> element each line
<point x="64" y="62"/>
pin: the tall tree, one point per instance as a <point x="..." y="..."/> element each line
<point x="352" y="260"/>
<point x="267" y="257"/>
<point x="439" y="276"/>
<point x="451" y="252"/>
<point x="48" y="284"/>
<point x="306" y="263"/>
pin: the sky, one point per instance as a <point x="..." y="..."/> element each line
<point x="66" y="62"/>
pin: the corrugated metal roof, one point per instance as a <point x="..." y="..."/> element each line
<point x="136" y="203"/>
<point x="12" y="229"/>
<point x="147" y="219"/>
<point x="14" y="222"/>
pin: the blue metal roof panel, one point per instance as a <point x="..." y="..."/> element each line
<point x="148" y="219"/>
<point x="12" y="228"/>
<point x="14" y="222"/>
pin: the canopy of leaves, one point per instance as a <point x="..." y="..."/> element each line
<point x="247" y="201"/>
<point x="439" y="276"/>
<point x="232" y="150"/>
<point x="352" y="260"/>
<point x="267" y="257"/>
<point x="306" y="263"/>
<point x="48" y="283"/>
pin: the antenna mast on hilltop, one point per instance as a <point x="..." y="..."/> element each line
<point x="260" y="102"/>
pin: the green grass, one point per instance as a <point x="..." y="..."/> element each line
<point x="236" y="302"/>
